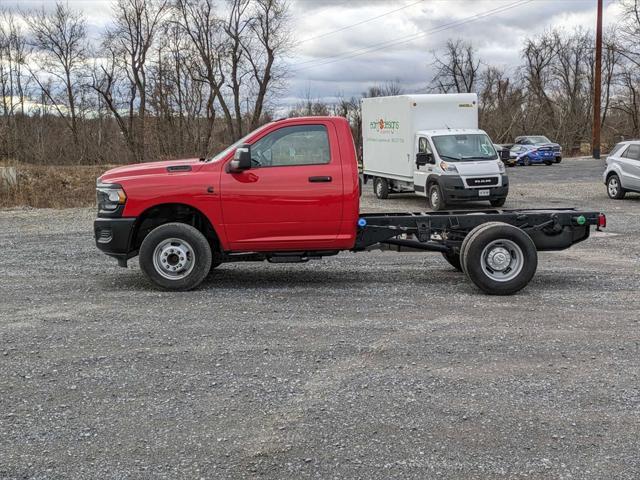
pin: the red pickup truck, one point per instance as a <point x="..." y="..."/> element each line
<point x="289" y="192"/>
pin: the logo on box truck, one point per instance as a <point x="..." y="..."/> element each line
<point x="384" y="126"/>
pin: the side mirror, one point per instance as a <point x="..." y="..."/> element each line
<point x="241" y="159"/>
<point x="423" y="158"/>
<point x="505" y="154"/>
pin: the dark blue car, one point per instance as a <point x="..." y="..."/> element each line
<point x="536" y="149"/>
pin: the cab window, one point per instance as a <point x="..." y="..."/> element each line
<point x="291" y="146"/>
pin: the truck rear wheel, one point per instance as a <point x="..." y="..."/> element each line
<point x="175" y="256"/>
<point x="499" y="258"/>
<point x="436" y="199"/>
<point x="381" y="188"/>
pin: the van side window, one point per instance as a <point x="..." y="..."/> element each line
<point x="290" y="146"/>
<point x="423" y="145"/>
<point x="633" y="152"/>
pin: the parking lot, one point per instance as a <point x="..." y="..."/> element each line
<point x="371" y="365"/>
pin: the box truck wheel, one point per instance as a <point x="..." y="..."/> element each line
<point x="381" y="188"/>
<point x="175" y="256"/>
<point x="436" y="199"/>
<point x="499" y="258"/>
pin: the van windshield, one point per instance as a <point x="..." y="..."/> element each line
<point x="465" y="147"/>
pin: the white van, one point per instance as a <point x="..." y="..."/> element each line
<point x="431" y="145"/>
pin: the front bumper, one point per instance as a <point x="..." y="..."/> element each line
<point x="454" y="190"/>
<point x="114" y="237"/>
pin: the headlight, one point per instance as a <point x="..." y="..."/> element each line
<point x="110" y="196"/>
<point x="501" y="167"/>
<point x="448" y="168"/>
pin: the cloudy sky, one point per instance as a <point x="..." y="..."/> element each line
<point x="342" y="47"/>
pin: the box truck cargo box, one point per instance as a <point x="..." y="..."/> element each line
<point x="431" y="145"/>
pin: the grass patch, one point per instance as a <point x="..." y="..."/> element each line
<point x="52" y="186"/>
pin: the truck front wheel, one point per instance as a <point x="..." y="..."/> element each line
<point x="499" y="258"/>
<point x="175" y="256"/>
<point x="381" y="188"/>
<point x="436" y="199"/>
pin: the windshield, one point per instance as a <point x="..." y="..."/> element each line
<point x="233" y="146"/>
<point x="538" y="139"/>
<point x="465" y="147"/>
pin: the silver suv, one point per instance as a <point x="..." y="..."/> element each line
<point x="623" y="169"/>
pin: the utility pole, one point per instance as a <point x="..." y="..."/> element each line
<point x="597" y="83"/>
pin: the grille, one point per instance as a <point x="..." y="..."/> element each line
<point x="482" y="182"/>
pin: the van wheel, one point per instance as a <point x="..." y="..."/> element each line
<point x="614" y="188"/>
<point x="500" y="259"/>
<point x="453" y="259"/>
<point x="498" y="202"/>
<point x="526" y="161"/>
<point x="381" y="188"/>
<point x="175" y="256"/>
<point x="436" y="200"/>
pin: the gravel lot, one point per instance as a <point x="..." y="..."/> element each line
<point x="375" y="365"/>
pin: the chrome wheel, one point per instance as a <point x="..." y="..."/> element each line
<point x="613" y="187"/>
<point x="502" y="260"/>
<point x="173" y="258"/>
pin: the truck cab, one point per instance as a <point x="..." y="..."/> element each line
<point x="456" y="166"/>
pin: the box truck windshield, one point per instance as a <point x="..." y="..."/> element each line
<point x="465" y="147"/>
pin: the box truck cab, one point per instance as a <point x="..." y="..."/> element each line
<point x="431" y="145"/>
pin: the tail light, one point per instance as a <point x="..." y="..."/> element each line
<point x="602" y="220"/>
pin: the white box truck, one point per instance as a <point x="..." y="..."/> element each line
<point x="431" y="145"/>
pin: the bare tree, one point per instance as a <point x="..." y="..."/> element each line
<point x="60" y="40"/>
<point x="457" y="68"/>
<point x="127" y="45"/>
<point x="270" y="39"/>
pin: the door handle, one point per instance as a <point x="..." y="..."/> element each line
<point x="320" y="179"/>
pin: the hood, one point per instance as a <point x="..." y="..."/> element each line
<point x="151" y="168"/>
<point x="472" y="169"/>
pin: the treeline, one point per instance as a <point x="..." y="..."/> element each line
<point x="166" y="79"/>
<point x="173" y="78"/>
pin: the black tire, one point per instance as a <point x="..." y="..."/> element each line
<point x="453" y="259"/>
<point x="522" y="258"/>
<point x="157" y="255"/>
<point x="548" y="163"/>
<point x="614" y="188"/>
<point x="558" y="159"/>
<point x="526" y="161"/>
<point x="435" y="198"/>
<point x="381" y="188"/>
<point x="470" y="235"/>
<point x="498" y="202"/>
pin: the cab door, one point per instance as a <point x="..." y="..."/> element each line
<point x="292" y="196"/>
<point x="421" y="172"/>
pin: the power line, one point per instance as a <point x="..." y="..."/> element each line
<point x="347" y="27"/>
<point x="409" y="38"/>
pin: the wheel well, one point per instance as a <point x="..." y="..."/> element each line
<point x="611" y="173"/>
<point x="169" y="213"/>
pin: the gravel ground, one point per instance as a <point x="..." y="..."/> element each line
<point x="375" y="365"/>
